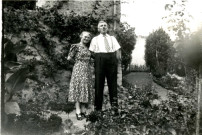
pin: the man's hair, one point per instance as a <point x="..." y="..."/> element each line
<point x="85" y="32"/>
<point x="101" y="21"/>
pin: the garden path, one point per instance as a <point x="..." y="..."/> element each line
<point x="136" y="78"/>
<point x="143" y="78"/>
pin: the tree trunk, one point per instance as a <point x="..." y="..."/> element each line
<point x="157" y="58"/>
<point x="199" y="113"/>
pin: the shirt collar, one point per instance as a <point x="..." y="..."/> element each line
<point x="103" y="35"/>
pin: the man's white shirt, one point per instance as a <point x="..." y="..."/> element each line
<point x="98" y="46"/>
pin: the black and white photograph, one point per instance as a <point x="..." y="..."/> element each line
<point x="101" y="67"/>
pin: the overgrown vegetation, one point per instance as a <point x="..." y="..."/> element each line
<point x="36" y="43"/>
<point x="32" y="124"/>
<point x="185" y="54"/>
<point x="138" y="68"/>
<point x="142" y="112"/>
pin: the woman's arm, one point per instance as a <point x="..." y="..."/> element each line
<point x="72" y="53"/>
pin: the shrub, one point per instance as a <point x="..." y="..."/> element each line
<point x="53" y="124"/>
<point x="157" y="52"/>
<point x="137" y="68"/>
<point x="33" y="124"/>
<point x="127" y="39"/>
<point x="180" y="85"/>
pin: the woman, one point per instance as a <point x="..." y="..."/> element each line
<point x="81" y="83"/>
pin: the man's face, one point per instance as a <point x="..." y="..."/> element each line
<point x="103" y="28"/>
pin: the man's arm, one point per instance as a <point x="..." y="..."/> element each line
<point x="118" y="54"/>
<point x="117" y="47"/>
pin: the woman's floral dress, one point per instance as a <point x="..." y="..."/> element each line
<point x="81" y="83"/>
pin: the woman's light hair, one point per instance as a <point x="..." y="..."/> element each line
<point x="81" y="35"/>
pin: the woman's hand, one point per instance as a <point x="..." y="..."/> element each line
<point x="70" y="60"/>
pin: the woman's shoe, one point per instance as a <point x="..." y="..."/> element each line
<point x="79" y="116"/>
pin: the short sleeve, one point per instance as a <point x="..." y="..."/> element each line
<point x="116" y="45"/>
<point x="72" y="52"/>
<point x="93" y="45"/>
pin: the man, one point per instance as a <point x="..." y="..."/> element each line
<point x="107" y="53"/>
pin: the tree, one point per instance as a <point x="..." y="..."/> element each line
<point x="178" y="19"/>
<point x="157" y="52"/>
<point x="127" y="39"/>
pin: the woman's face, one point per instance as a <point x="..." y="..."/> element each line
<point x="85" y="38"/>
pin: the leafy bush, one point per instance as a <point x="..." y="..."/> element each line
<point x="30" y="4"/>
<point x="157" y="52"/>
<point x="180" y="85"/>
<point x="33" y="124"/>
<point x="168" y="81"/>
<point x="137" y="68"/>
<point x="127" y="39"/>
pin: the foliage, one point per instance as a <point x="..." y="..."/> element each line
<point x="138" y="68"/>
<point x="44" y="59"/>
<point x="141" y="112"/>
<point x="101" y="9"/>
<point x="180" y="85"/>
<point x="19" y="4"/>
<point x="157" y="52"/>
<point x="68" y="27"/>
<point x="171" y="82"/>
<point x="15" y="72"/>
<point x="178" y="18"/>
<point x="33" y="124"/>
<point x="127" y="39"/>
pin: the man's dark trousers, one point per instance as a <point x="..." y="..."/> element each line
<point x="105" y="66"/>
